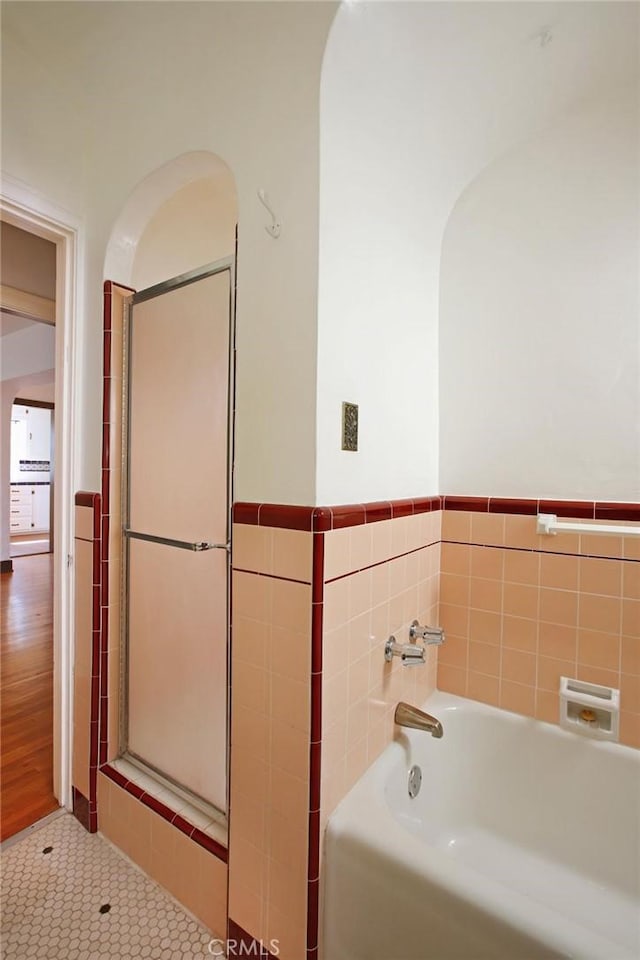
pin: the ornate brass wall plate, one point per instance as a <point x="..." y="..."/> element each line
<point x="349" y="426"/>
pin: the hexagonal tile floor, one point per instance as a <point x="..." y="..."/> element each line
<point x="69" y="895"/>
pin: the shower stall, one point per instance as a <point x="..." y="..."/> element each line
<point x="177" y="476"/>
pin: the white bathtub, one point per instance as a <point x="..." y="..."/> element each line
<point x="523" y="843"/>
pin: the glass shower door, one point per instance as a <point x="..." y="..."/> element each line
<point x="177" y="531"/>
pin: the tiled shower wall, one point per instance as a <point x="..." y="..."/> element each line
<point x="520" y="610"/>
<point x="270" y="734"/>
<point x="378" y="578"/>
<point x="316" y="593"/>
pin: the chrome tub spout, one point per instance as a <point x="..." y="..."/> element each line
<point x="408" y="716"/>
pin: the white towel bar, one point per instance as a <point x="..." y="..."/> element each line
<point x="549" y="523"/>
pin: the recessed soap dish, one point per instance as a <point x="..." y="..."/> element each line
<point x="589" y="709"/>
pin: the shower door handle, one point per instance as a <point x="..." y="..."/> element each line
<point x="199" y="546"/>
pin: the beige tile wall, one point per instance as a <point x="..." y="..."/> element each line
<point x="193" y="875"/>
<point x="521" y="610"/>
<point x="378" y="578"/>
<point x="270" y="733"/>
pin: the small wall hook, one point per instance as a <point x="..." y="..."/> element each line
<point x="275" y="226"/>
<point x="544" y="36"/>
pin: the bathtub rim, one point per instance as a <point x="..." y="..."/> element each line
<point x="550" y="928"/>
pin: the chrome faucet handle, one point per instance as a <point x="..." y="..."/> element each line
<point x="410" y="653"/>
<point x="430" y="635"/>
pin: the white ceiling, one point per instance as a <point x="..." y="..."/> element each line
<point x="458" y="84"/>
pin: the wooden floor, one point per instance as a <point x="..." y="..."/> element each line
<point x="26" y="694"/>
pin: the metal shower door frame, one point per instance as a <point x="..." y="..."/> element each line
<point x="228" y="264"/>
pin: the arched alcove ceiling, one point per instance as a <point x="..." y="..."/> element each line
<point x="459" y="84"/>
<point x="147" y="198"/>
<point x="416" y="100"/>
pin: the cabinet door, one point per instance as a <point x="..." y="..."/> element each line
<point x="41" y="508"/>
<point x="39" y="434"/>
<point x="20" y="510"/>
<point x="20" y="525"/>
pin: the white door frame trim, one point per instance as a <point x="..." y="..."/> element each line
<point x="24" y="208"/>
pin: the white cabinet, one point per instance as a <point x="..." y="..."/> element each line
<point x="39" y="434"/>
<point x="41" y="518"/>
<point x="37" y="421"/>
<point x="29" y="508"/>
<point x="30" y="441"/>
<point x="21" y="509"/>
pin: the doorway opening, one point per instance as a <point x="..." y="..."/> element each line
<point x="32" y="471"/>
<point x="38" y="320"/>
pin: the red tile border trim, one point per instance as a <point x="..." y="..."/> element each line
<point x="322" y="519"/>
<point x="348" y="515"/>
<point x="248" y="513"/>
<point x="284" y="515"/>
<point x="527" y="508"/>
<point x="313" y="911"/>
<point x="541" y="552"/>
<point x="475" y="504"/>
<point x="105" y="520"/>
<point x="381" y="510"/>
<point x="617" y="511"/>
<point x="110" y="284"/>
<point x="269" y="576"/>
<point x="380" y="563"/>
<point x="315" y="745"/>
<point x="80" y="807"/>
<point x="578" y="509"/>
<point x="242" y="944"/>
<point x="85" y="499"/>
<point x="203" y="839"/>
<point x="89" y="817"/>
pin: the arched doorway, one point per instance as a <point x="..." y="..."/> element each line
<point x="170" y="472"/>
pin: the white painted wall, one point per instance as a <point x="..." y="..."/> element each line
<point x="27" y="351"/>
<point x="540" y="316"/>
<point x="97" y="96"/>
<point x="377" y="292"/>
<point x="416" y="100"/>
<point x="194" y="227"/>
